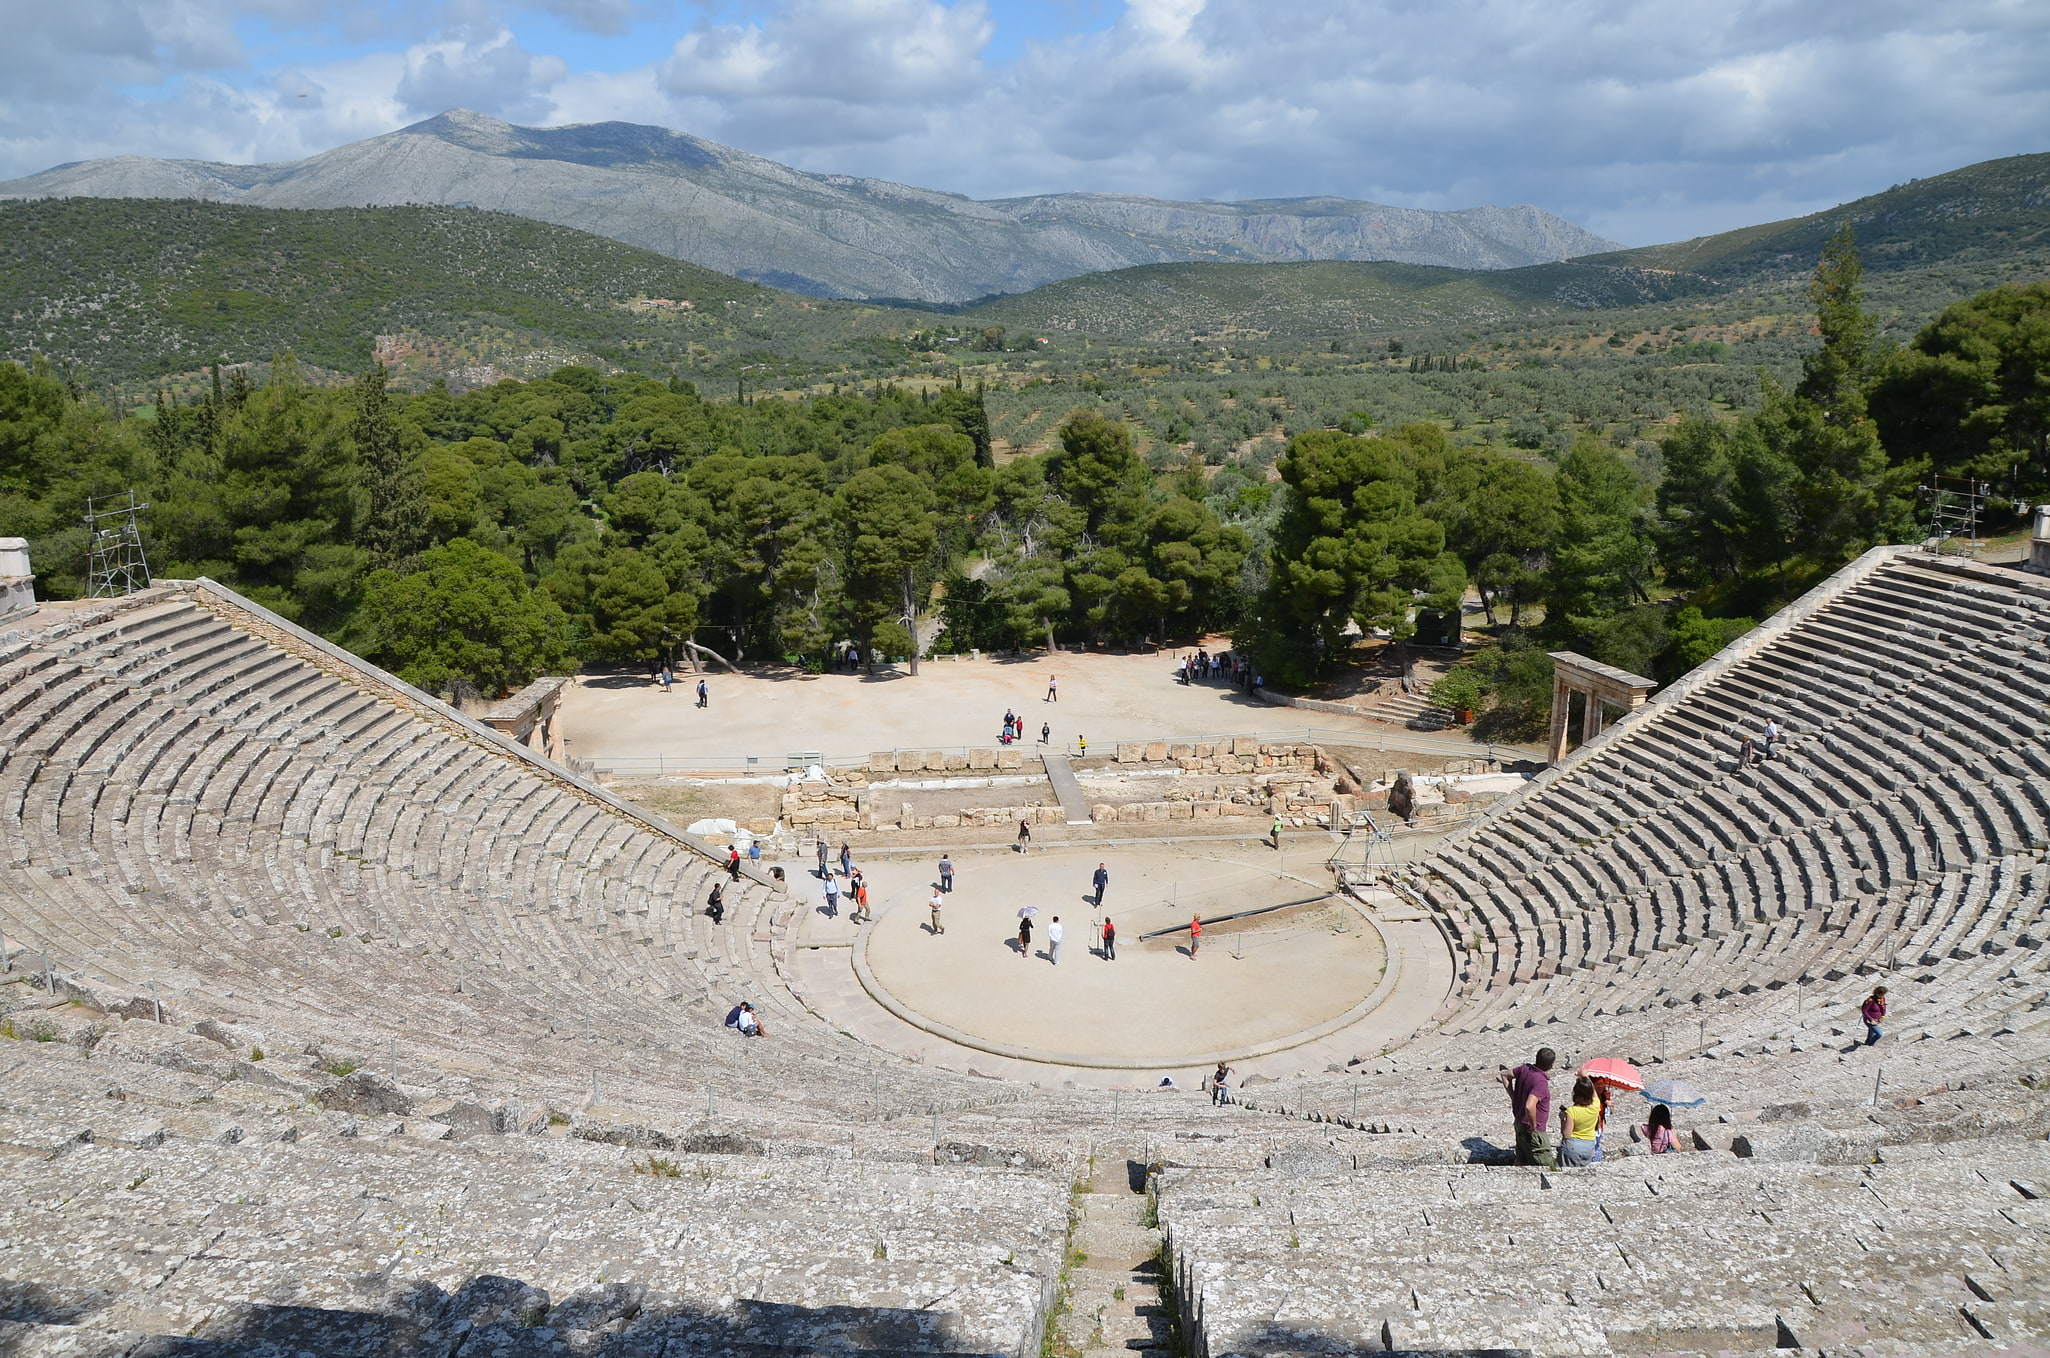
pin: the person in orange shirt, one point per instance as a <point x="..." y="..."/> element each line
<point x="1195" y="934"/>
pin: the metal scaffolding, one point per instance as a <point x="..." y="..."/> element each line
<point x="1955" y="504"/>
<point x="115" y="564"/>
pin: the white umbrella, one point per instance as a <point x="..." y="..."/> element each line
<point x="1027" y="911"/>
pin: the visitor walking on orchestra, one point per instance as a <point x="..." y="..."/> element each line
<point x="946" y="873"/>
<point x="1110" y="940"/>
<point x="1100" y="881"/>
<point x="1054" y="934"/>
<point x="704" y="694"/>
<point x="860" y="913"/>
<point x="1530" y="1104"/>
<point x="832" y="896"/>
<point x="1873" y="1011"/>
<point x="1053" y="688"/>
<point x="1025" y="936"/>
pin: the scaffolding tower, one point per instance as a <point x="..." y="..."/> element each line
<point x="114" y="561"/>
<point x="1366" y="855"/>
<point x="1955" y="504"/>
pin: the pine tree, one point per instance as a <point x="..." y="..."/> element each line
<point x="395" y="530"/>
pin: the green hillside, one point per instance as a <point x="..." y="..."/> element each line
<point x="128" y="290"/>
<point x="1925" y="243"/>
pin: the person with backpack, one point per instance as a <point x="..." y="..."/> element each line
<point x="1873" y="1011"/>
<point x="704" y="694"/>
<point x="744" y="1018"/>
<point x="1110" y="940"/>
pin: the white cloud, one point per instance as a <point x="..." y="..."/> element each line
<point x="490" y="73"/>
<point x="1643" y="119"/>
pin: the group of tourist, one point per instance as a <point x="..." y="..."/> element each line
<point x="1225" y="665"/>
<point x="856" y="889"/>
<point x="1578" y="1142"/>
<point x="663" y="673"/>
<point x="1014" y="729"/>
<point x="1750" y="752"/>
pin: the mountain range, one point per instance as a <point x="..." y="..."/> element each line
<point x="820" y="234"/>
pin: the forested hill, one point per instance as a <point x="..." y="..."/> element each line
<point x="1926" y="244"/>
<point x="122" y="290"/>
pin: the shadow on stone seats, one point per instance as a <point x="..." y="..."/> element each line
<point x="504" y="1318"/>
<point x="1481" y="1151"/>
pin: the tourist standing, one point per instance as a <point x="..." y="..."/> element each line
<point x="1195" y="934"/>
<point x="1110" y="940"/>
<point x="1530" y="1104"/>
<point x="1024" y="836"/>
<point x="1100" y="881"/>
<point x="1025" y="936"/>
<point x="1277" y="834"/>
<point x="1772" y="734"/>
<point x="946" y="874"/>
<point x="858" y="889"/>
<point x="1045" y="732"/>
<point x="1220" y="1085"/>
<point x="832" y="896"/>
<point x="1873" y="1011"/>
<point x="823" y="851"/>
<point x="1053" y="688"/>
<point x="846" y="860"/>
<point x="1054" y="934"/>
<point x="934" y="905"/>
<point x="704" y="694"/>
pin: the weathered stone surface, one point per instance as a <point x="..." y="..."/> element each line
<point x="364" y="1094"/>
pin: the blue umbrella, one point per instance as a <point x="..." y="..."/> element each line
<point x="1675" y="1094"/>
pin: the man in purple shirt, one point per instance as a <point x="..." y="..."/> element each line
<point x="1530" y="1102"/>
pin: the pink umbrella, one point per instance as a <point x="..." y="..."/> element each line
<point x="1613" y="1070"/>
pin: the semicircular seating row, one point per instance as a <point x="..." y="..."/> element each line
<point x="184" y="803"/>
<point x="1901" y="823"/>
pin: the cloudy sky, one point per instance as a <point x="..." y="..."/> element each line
<point x="1645" y="120"/>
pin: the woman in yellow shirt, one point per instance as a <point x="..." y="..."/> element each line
<point x="1579" y="1124"/>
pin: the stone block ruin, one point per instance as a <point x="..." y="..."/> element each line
<point x="338" y="1022"/>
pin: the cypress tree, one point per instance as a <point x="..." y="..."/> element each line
<point x="395" y="530"/>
